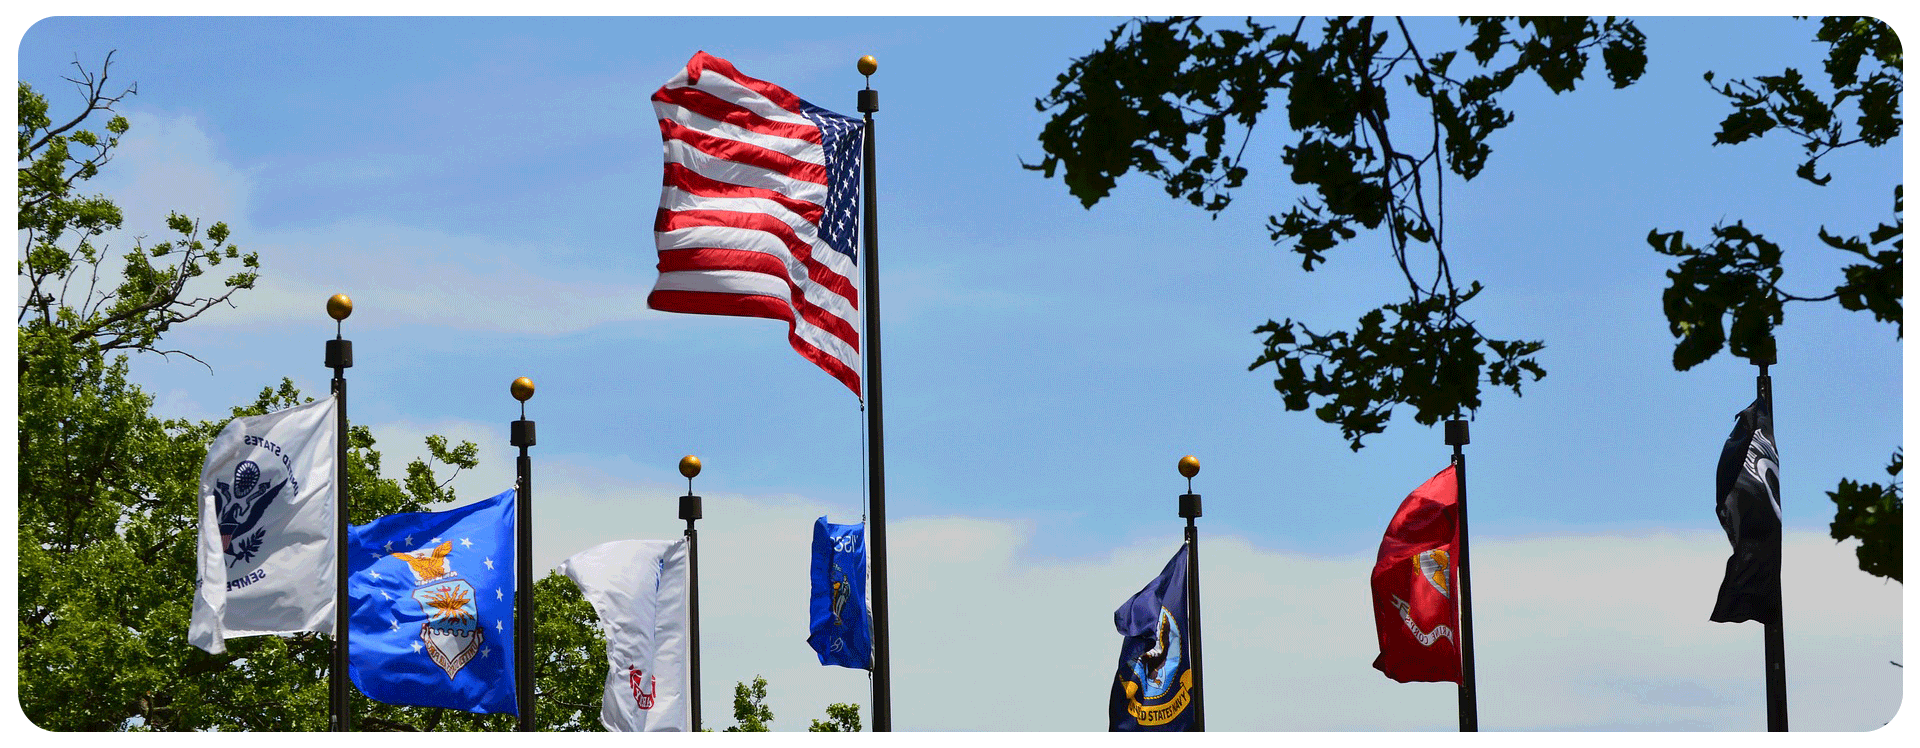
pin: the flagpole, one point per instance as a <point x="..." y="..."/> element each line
<point x="1190" y="509"/>
<point x="869" y="102"/>
<point x="340" y="358"/>
<point x="690" y="511"/>
<point x="1774" y="633"/>
<point x="521" y="435"/>
<point x="1469" y="698"/>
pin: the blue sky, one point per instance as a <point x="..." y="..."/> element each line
<point x="484" y="190"/>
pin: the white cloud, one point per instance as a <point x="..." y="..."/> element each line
<point x="410" y="274"/>
<point x="169" y="163"/>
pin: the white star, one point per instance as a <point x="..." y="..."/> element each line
<point x="375" y="556"/>
<point x="376" y="575"/>
<point x="499" y="626"/>
<point x="383" y="593"/>
<point x="435" y="540"/>
<point x="409" y="540"/>
<point x="416" y="646"/>
<point x="483" y="653"/>
<point x="396" y="625"/>
<point x="388" y="546"/>
<point x="489" y="563"/>
<point x="498" y="595"/>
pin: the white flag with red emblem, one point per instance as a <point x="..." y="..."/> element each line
<point x="639" y="590"/>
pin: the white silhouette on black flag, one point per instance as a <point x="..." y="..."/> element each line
<point x="1748" y="503"/>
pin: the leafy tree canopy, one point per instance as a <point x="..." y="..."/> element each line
<point x="1170" y="97"/>
<point x="840" y="718"/>
<point x="750" y="710"/>
<point x="108" y="490"/>
<point x="1725" y="294"/>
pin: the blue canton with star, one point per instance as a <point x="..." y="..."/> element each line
<point x="843" y="139"/>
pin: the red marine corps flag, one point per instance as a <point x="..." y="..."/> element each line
<point x="1414" y="603"/>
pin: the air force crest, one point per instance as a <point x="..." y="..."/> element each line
<point x="452" y="632"/>
<point x="239" y="506"/>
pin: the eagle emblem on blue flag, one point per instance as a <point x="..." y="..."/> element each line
<point x="432" y="607"/>
<point x="1153" y="686"/>
<point x="452" y="632"/>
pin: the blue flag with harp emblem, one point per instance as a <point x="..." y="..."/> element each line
<point x="837" y="622"/>
<point x="431" y="601"/>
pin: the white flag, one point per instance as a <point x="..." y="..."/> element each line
<point x="639" y="590"/>
<point x="267" y="553"/>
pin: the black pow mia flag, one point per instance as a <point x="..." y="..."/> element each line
<point x="1748" y="503"/>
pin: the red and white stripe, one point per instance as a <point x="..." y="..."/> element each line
<point x="745" y="180"/>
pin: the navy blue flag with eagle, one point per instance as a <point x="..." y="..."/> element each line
<point x="1747" y="500"/>
<point x="839" y="629"/>
<point x="431" y="616"/>
<point x="1154" y="688"/>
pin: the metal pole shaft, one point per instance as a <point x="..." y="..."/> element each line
<point x="1774" y="632"/>
<point x="523" y="437"/>
<point x="1469" y="697"/>
<point x="869" y="102"/>
<point x="1193" y="626"/>
<point x="340" y="698"/>
<point x="690" y="511"/>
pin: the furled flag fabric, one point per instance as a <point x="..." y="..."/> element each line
<point x="1747" y="490"/>
<point x="758" y="210"/>
<point x="639" y="590"/>
<point x="430" y="598"/>
<point x="267" y="527"/>
<point x="1415" y="611"/>
<point x="1154" y="686"/>
<point x="838" y="626"/>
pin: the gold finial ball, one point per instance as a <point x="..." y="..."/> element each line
<point x="867" y="65"/>
<point x="522" y="389"/>
<point x="339" y="307"/>
<point x="1189" y="466"/>
<point x="689" y="466"/>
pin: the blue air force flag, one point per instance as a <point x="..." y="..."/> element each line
<point x="837" y="621"/>
<point x="431" y="607"/>
<point x="1154" y="687"/>
<point x="267" y="553"/>
<point x="638" y="588"/>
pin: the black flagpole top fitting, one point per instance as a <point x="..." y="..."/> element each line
<point x="869" y="99"/>
<point x="520" y="433"/>
<point x="339" y="351"/>
<point x="1456" y="433"/>
<point x="690" y="504"/>
<point x="1189" y="501"/>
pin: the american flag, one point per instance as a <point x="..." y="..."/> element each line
<point x="757" y="210"/>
